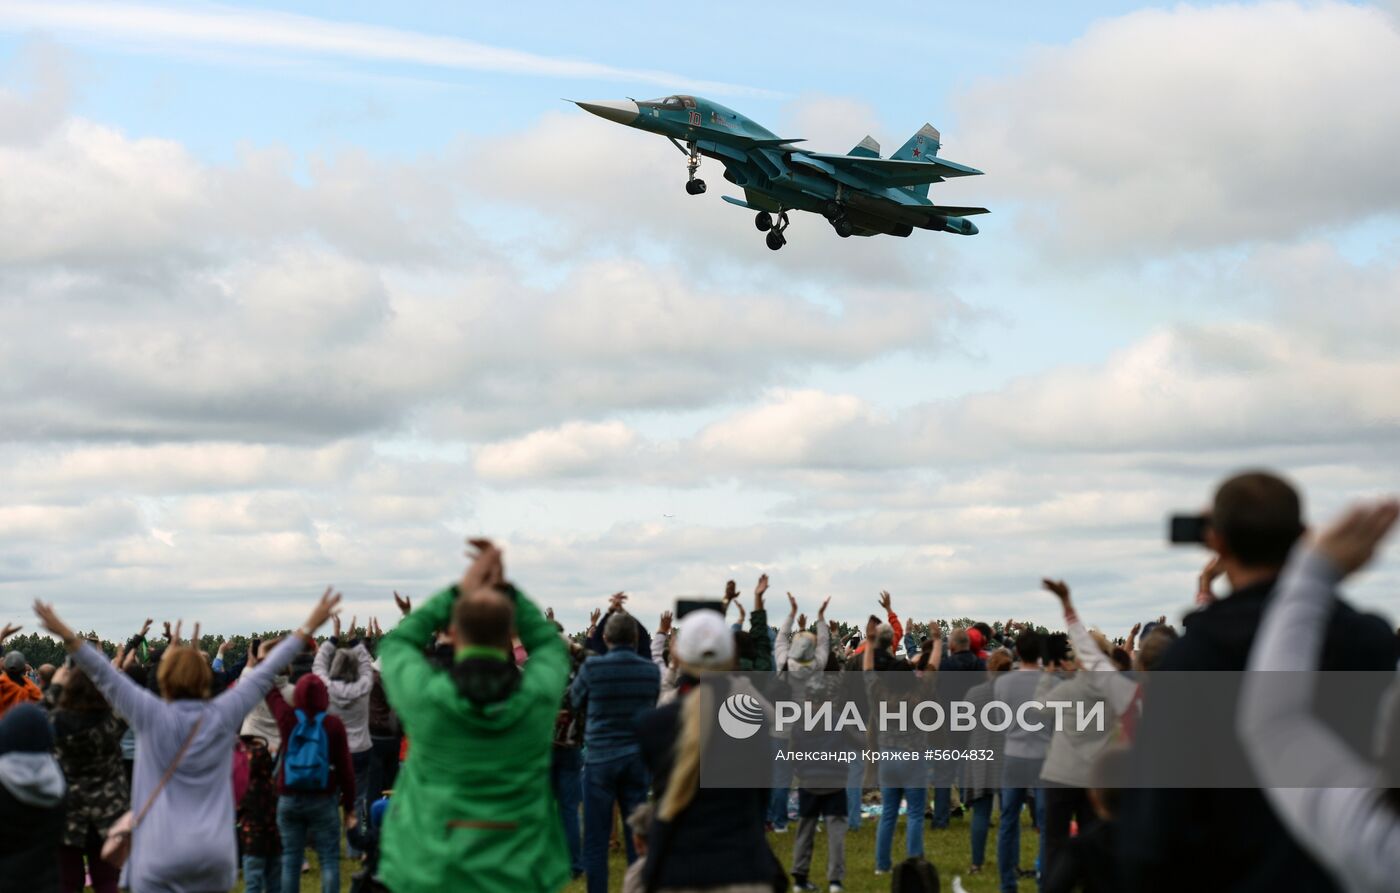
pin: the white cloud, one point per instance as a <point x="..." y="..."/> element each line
<point x="176" y="28"/>
<point x="572" y="450"/>
<point x="1192" y="128"/>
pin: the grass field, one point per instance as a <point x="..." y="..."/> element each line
<point x="948" y="849"/>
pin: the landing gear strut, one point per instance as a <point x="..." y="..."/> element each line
<point x="693" y="184"/>
<point x="775" y="237"/>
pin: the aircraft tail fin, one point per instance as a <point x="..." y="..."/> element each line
<point x="921" y="146"/>
<point x="866" y="148"/>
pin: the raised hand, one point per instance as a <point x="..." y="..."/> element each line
<point x="169" y="636"/>
<point x="821" y="612"/>
<point x="1137" y="628"/>
<point x="740" y="606"/>
<point x="1351" y="541"/>
<point x="223" y="647"/>
<point x="335" y="627"/>
<point x="792" y="605"/>
<point x="762" y="586"/>
<point x="321" y="612"/>
<point x="49" y="620"/>
<point x="594" y="616"/>
<point x="145" y="627"/>
<point x="664" y="625"/>
<point x="1058" y="588"/>
<point x="802" y="621"/>
<point x="194" y="640"/>
<point x="487" y="568"/>
<point x="9" y="630"/>
<point x="548" y="613"/>
<point x="1214" y="568"/>
<point x="404" y="603"/>
<point x="885" y="601"/>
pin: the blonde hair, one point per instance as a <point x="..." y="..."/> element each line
<point x="697" y="719"/>
<point x="184" y="674"/>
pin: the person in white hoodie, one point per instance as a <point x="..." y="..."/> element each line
<point x="31" y="800"/>
<point x="349" y="677"/>
<point x="798" y="661"/>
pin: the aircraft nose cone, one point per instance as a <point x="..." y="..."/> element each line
<point x="623" y="111"/>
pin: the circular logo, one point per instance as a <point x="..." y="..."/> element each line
<point x="740" y="715"/>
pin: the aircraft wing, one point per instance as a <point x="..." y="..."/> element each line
<point x="953" y="210"/>
<point x="890" y="172"/>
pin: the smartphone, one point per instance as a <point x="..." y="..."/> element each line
<point x="1188" y="529"/>
<point x="685" y="605"/>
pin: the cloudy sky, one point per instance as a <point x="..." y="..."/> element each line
<point x="303" y="294"/>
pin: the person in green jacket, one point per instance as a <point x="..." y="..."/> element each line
<point x="473" y="808"/>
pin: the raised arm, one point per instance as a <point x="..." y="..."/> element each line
<point x="405" y="671"/>
<point x="547" y="671"/>
<point x="233" y="705"/>
<point x="1331" y="798"/>
<point x="236" y="702"/>
<point x="784" y="643"/>
<point x="823" y="636"/>
<point x="137" y="705"/>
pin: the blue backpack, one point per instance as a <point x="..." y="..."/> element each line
<point x="307" y="756"/>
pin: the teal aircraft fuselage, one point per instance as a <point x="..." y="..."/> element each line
<point x="859" y="193"/>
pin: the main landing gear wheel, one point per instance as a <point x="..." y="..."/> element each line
<point x="775" y="237"/>
<point x="843" y="227"/>
<point x="695" y="187"/>
<point x="764" y="221"/>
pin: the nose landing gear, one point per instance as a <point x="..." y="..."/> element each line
<point x="693" y="184"/>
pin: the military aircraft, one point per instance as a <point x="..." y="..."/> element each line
<point x="859" y="193"/>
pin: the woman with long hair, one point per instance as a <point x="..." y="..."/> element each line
<point x="184" y="840"/>
<point x="704" y="838"/>
<point x="88" y="744"/>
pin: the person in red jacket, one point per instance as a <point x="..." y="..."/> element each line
<point x="300" y="811"/>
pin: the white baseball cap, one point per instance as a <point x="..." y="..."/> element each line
<point x="703" y="640"/>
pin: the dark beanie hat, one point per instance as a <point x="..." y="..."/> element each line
<point x="25" y="729"/>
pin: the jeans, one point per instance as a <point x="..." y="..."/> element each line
<point x="622" y="781"/>
<point x="855" y="781"/>
<point x="317" y="815"/>
<point x="262" y="874"/>
<point x="1009" y="832"/>
<point x="946" y="773"/>
<point x="915" y="799"/>
<point x="566" y="777"/>
<point x="360" y="762"/>
<point x="981" y="825"/>
<point x="781" y="795"/>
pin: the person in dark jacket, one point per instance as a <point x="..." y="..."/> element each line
<point x="705" y="837"/>
<point x="958" y="672"/>
<point x="612" y="689"/>
<point x="31" y="800"/>
<point x="301" y="813"/>
<point x="1171" y="838"/>
<point x="88" y="744"/>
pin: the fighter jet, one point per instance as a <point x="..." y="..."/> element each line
<point x="859" y="193"/>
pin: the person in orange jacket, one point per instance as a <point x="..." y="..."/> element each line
<point x="15" y="686"/>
